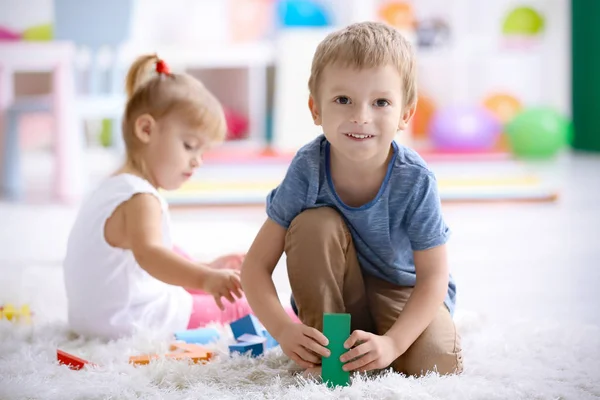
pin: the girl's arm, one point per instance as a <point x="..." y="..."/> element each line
<point x="257" y="280"/>
<point x="143" y="230"/>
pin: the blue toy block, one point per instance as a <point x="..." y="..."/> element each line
<point x="255" y="344"/>
<point x="246" y="325"/>
<point x="198" y="336"/>
<point x="271" y="342"/>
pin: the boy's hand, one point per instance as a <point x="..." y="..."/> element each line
<point x="303" y="344"/>
<point x="371" y="352"/>
<point x="229" y="261"/>
<point x="223" y="283"/>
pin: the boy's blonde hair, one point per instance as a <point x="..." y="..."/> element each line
<point x="155" y="91"/>
<point x="367" y="45"/>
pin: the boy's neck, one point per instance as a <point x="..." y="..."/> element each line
<point x="367" y="169"/>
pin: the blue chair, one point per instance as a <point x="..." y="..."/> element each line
<point x="92" y="25"/>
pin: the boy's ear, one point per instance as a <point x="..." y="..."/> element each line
<point x="406" y="117"/>
<point x="144" y="126"/>
<point x="314" y="110"/>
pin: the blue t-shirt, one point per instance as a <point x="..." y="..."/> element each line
<point x="405" y="215"/>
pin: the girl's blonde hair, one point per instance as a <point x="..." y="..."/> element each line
<point x="152" y="90"/>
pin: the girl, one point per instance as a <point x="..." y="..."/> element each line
<point x="121" y="271"/>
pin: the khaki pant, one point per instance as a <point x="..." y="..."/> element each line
<point x="325" y="277"/>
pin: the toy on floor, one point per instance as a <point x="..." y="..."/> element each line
<point x="179" y="351"/>
<point x="73" y="362"/>
<point x="11" y="313"/>
<point x="251" y="336"/>
<point x="198" y="336"/>
<point x="256" y="345"/>
<point x="336" y="327"/>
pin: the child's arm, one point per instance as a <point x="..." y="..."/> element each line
<point x="376" y="352"/>
<point x="143" y="229"/>
<point x="295" y="339"/>
<point x="427" y="297"/>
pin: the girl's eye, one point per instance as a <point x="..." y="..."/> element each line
<point x="382" y="103"/>
<point x="342" y="100"/>
<point x="187" y="146"/>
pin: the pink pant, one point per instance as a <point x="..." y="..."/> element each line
<point x="205" y="310"/>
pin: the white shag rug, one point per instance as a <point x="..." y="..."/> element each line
<point x="517" y="360"/>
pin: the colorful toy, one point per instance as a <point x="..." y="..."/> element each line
<point x="253" y="343"/>
<point x="398" y="14"/>
<point x="432" y="32"/>
<point x="523" y="21"/>
<point x="8" y="35"/>
<point x="464" y="128"/>
<point x="336" y="327"/>
<point x="538" y="132"/>
<point x="237" y="124"/>
<point x="13" y="314"/>
<point x="422" y="119"/>
<point x="73" y="362"/>
<point x="246" y="325"/>
<point x="302" y="13"/>
<point x="250" y="335"/>
<point x="503" y="105"/>
<point x="39" y="33"/>
<point x="179" y="351"/>
<point x="198" y="336"/>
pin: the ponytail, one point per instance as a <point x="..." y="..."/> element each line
<point x="144" y="69"/>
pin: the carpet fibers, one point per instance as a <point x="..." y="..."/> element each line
<point x="521" y="359"/>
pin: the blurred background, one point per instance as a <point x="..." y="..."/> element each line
<point x="506" y="118"/>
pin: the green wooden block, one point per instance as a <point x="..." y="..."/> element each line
<point x="336" y="327"/>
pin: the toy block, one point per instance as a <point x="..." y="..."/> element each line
<point x="255" y="347"/>
<point x="271" y="342"/>
<point x="71" y="361"/>
<point x="198" y="336"/>
<point x="248" y="324"/>
<point x="13" y="314"/>
<point x="179" y="351"/>
<point x="336" y="327"/>
<point x="9" y="312"/>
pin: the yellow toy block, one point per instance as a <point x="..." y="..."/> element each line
<point x="16" y="315"/>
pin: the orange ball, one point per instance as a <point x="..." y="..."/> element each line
<point x="503" y="105"/>
<point x="398" y="14"/>
<point x="423" y="115"/>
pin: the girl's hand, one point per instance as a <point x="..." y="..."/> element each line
<point x="371" y="352"/>
<point x="229" y="261"/>
<point x="223" y="283"/>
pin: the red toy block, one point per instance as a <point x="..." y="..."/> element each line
<point x="71" y="361"/>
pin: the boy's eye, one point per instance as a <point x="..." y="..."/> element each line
<point x="342" y="100"/>
<point x="382" y="103"/>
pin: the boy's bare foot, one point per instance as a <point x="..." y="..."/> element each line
<point x="314" y="373"/>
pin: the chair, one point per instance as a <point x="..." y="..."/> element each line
<point x="92" y="25"/>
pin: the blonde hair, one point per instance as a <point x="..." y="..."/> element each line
<point x="367" y="45"/>
<point x="159" y="93"/>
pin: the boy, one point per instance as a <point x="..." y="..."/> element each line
<point x="359" y="219"/>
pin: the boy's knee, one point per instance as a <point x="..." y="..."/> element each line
<point x="437" y="350"/>
<point x="317" y="222"/>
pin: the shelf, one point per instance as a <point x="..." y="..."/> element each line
<point x="186" y="56"/>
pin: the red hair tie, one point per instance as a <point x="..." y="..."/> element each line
<point x="162" y="68"/>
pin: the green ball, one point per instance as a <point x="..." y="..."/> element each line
<point x="538" y="132"/>
<point x="523" y="21"/>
